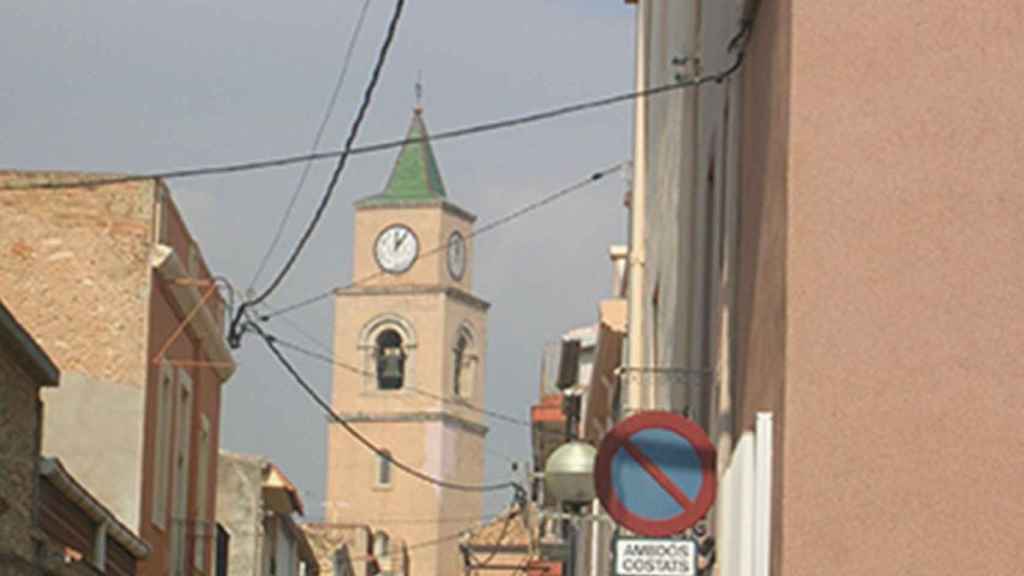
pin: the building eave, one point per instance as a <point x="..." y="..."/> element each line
<point x="55" y="472"/>
<point x="30" y="355"/>
<point x="453" y="292"/>
<point x="169" y="267"/>
<point x="376" y="202"/>
<point x="418" y="416"/>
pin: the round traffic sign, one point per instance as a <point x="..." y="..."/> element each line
<point x="655" y="473"/>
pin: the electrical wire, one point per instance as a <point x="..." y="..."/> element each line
<point x="335" y="176"/>
<point x="346" y="62"/>
<point x="490" y="226"/>
<point x="271" y="343"/>
<point x="501" y="540"/>
<point x="441" y="539"/>
<point x="378" y="147"/>
<point x="360" y="372"/>
<point x="458" y="402"/>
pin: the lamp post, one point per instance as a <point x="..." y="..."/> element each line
<point x="569" y="476"/>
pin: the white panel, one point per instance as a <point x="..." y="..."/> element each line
<point x="763" y="495"/>
<point x="735" y="543"/>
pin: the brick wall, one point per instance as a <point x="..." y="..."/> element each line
<point x="74" y="268"/>
<point x="20" y="413"/>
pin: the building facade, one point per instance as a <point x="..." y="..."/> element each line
<point x="24" y="369"/>
<point x="77" y="534"/>
<point x="108" y="279"/>
<point x="257" y="505"/>
<point x="824" y="257"/>
<point x="410" y="340"/>
<point x="49" y="523"/>
<point x="579" y="399"/>
<point x="341" y="549"/>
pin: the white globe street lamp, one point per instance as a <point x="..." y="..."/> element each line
<point x="569" y="473"/>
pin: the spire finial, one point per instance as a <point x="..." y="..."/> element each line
<point x="419" y="91"/>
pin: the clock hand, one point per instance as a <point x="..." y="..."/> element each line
<point x="399" y="240"/>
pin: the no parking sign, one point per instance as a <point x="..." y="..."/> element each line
<point x="655" y="473"/>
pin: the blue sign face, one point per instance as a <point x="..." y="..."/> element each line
<point x="655" y="473"/>
<point x="638" y="490"/>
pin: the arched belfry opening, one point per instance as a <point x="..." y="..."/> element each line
<point x="463" y="364"/>
<point x="458" y="368"/>
<point x="391" y="357"/>
<point x="387" y="344"/>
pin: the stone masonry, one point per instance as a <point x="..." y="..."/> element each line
<point x="19" y="455"/>
<point x="24" y="368"/>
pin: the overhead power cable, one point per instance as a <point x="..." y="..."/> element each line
<point x="490" y="226"/>
<point x="360" y="372"/>
<point x="424" y="544"/>
<point x="346" y="62"/>
<point x="272" y="344"/>
<point x="472" y="129"/>
<point x="335" y="177"/>
<point x="326" y="357"/>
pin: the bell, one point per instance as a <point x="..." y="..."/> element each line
<point x="391" y="367"/>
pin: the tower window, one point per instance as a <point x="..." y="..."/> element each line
<point x="384" y="468"/>
<point x="458" y="361"/>
<point x="390" y="361"/>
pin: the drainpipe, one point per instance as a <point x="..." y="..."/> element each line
<point x="633" y="392"/>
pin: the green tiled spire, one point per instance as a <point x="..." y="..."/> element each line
<point x="415" y="176"/>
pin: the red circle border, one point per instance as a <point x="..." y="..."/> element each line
<point x="612" y="442"/>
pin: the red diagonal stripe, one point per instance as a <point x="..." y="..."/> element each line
<point x="659" y="476"/>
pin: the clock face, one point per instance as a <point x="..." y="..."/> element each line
<point x="396" y="249"/>
<point x="456" y="255"/>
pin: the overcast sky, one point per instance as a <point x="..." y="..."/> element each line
<point x="128" y="86"/>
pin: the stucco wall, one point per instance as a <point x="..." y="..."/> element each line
<point x="905" y="289"/>
<point x="405" y="508"/>
<point x="239" y="510"/>
<point x="96" y="429"/>
<point x="761" y="299"/>
<point x="164" y="317"/>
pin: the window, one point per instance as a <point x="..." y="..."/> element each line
<point x="179" y="509"/>
<point x="203" y="523"/>
<point x="192" y="265"/>
<point x="384" y="468"/>
<point x="161" y="451"/>
<point x="390" y="361"/>
<point x="341" y="562"/>
<point x="382" y="552"/>
<point x="458" y="362"/>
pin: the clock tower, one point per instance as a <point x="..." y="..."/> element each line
<point x="416" y="337"/>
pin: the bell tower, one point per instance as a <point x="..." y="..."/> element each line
<point x="415" y="337"/>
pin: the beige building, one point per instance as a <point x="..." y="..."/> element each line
<point x="348" y="549"/>
<point x="111" y="283"/>
<point x="257" y="506"/>
<point x="825" y="272"/>
<point x="410" y="340"/>
<point x="511" y="545"/>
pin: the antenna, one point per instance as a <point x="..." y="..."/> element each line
<point x="419" y="91"/>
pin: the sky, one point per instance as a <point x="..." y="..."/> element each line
<point x="141" y="86"/>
